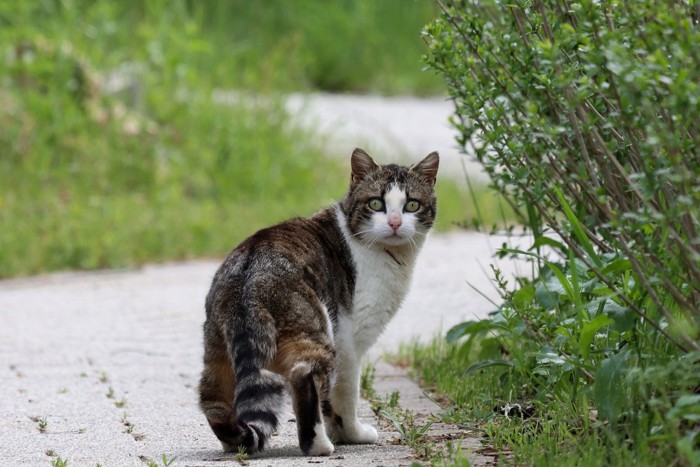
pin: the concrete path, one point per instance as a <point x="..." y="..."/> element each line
<point x="401" y="126"/>
<point x="102" y="367"/>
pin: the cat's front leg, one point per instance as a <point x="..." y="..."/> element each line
<point x="344" y="425"/>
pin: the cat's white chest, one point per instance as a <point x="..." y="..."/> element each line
<point x="380" y="286"/>
<point x="382" y="280"/>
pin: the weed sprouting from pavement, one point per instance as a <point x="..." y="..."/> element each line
<point x="120" y="403"/>
<point x="367" y="382"/>
<point x="165" y="462"/>
<point x="129" y="427"/>
<point x="41" y="423"/>
<point x="242" y="456"/>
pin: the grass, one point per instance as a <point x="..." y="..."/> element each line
<point x="403" y="420"/>
<point x="114" y="180"/>
<point x="479" y="208"/>
<point x="41" y="423"/>
<point x="165" y="462"/>
<point x="115" y="169"/>
<point x="343" y="46"/>
<point x="541" y="429"/>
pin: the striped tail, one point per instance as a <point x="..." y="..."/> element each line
<point x="258" y="400"/>
<point x="259" y="393"/>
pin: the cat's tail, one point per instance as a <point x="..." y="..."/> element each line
<point x="258" y="401"/>
<point x="259" y="393"/>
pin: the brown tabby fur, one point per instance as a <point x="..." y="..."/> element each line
<point x="274" y="307"/>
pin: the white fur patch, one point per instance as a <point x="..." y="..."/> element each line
<point x="361" y="433"/>
<point x="383" y="276"/>
<point x="379" y="229"/>
<point x="395" y="198"/>
<point x="321" y="445"/>
<point x="329" y="324"/>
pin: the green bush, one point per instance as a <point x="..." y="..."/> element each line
<point x="584" y="114"/>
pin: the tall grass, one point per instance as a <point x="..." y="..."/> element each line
<point x="114" y="152"/>
<point x="339" y="46"/>
<point x="275" y="45"/>
<point x="150" y="170"/>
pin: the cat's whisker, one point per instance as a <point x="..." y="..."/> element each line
<point x="357" y="234"/>
<point x="411" y="243"/>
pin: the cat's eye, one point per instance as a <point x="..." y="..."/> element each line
<point x="376" y="204"/>
<point x="411" y="206"/>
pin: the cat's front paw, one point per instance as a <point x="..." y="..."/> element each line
<point x="321" y="446"/>
<point x="361" y="433"/>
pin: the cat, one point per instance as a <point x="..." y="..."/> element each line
<point x="296" y="306"/>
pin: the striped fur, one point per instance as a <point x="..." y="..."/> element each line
<point x="296" y="306"/>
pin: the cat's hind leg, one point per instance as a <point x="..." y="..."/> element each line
<point x="216" y="388"/>
<point x="307" y="362"/>
<point x="309" y="384"/>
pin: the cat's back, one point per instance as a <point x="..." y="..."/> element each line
<point x="298" y="253"/>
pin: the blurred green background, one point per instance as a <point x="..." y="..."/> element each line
<point x="113" y="152"/>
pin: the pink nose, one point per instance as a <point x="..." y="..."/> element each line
<point x="394" y="221"/>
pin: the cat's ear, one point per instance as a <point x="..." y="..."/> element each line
<point x="428" y="167"/>
<point x="361" y="164"/>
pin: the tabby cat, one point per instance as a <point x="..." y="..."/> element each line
<point x="296" y="306"/>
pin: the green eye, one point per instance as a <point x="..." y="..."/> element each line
<point x="376" y="204"/>
<point x="411" y="206"/>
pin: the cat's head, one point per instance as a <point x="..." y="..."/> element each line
<point x="391" y="205"/>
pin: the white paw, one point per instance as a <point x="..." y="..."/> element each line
<point x="321" y="446"/>
<point x="361" y="434"/>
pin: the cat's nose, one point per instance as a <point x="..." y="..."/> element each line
<point x="394" y="221"/>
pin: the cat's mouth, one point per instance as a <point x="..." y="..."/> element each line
<point x="395" y="239"/>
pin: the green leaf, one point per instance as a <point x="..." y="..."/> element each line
<point x="550" y="358"/>
<point x="687" y="407"/>
<point x="580" y="235"/>
<point x="545" y="297"/>
<point x="547" y="241"/>
<point x="619" y="265"/>
<point x="568" y="288"/>
<point x="610" y="392"/>
<point x="624" y="317"/>
<point x="524" y="296"/>
<point x="487" y="364"/>
<point x="588" y="332"/>
<point x="468" y="328"/>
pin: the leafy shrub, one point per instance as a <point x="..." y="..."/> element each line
<point x="584" y="114"/>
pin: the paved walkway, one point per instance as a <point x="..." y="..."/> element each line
<point x="102" y="367"/>
<point x="401" y="126"/>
